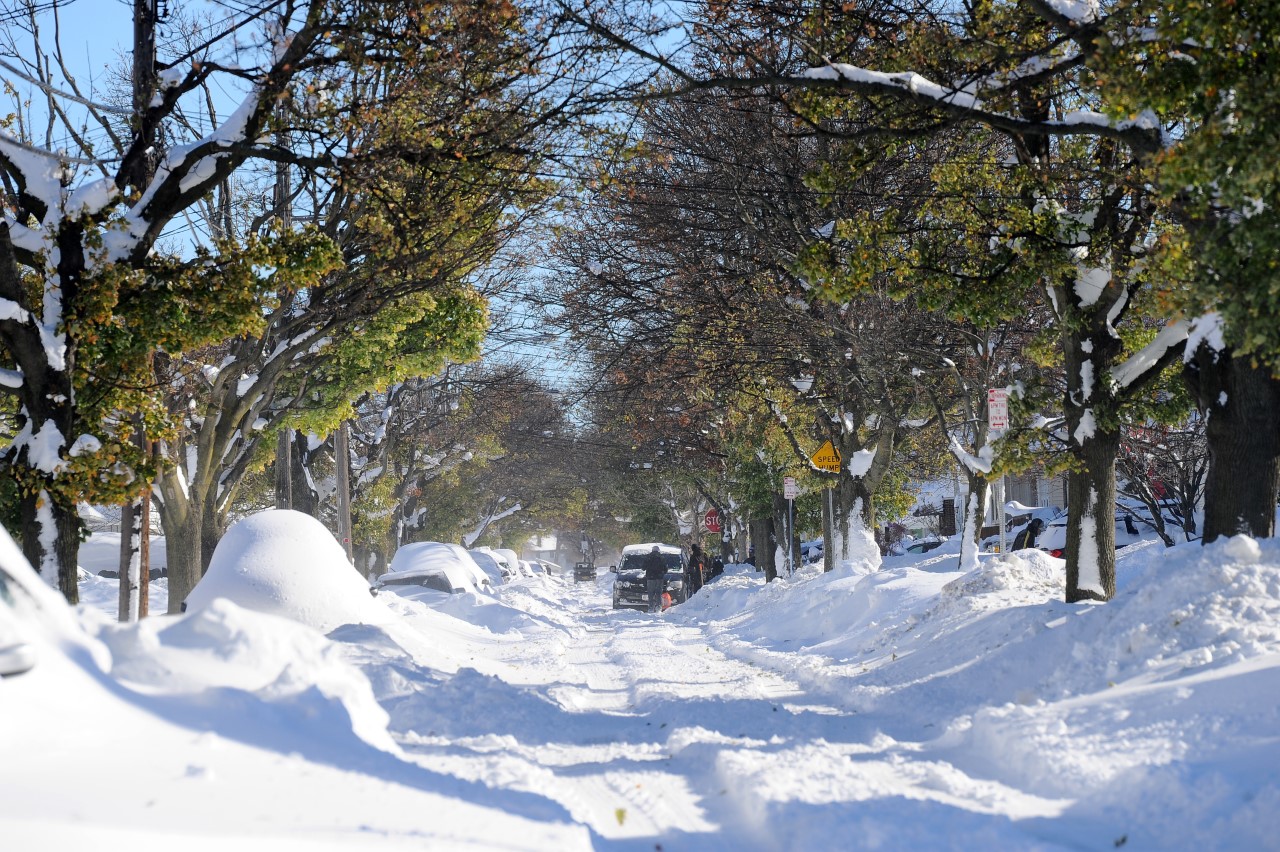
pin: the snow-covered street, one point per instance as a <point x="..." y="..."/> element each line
<point x="913" y="707"/>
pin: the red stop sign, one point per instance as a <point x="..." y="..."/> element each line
<point x="712" y="521"/>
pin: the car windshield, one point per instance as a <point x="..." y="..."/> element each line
<point x="635" y="561"/>
<point x="431" y="581"/>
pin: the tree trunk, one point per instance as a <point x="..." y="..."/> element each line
<point x="212" y="528"/>
<point x="828" y="528"/>
<point x="181" y="515"/>
<point x="305" y="499"/>
<point x="853" y="539"/>
<point x="975" y="515"/>
<point x="284" y="469"/>
<point x="342" y="457"/>
<point x="1090" y="405"/>
<point x="1091" y="528"/>
<point x="51" y="539"/>
<point x="785" y="538"/>
<point x="1241" y="404"/>
<point x="762" y="544"/>
<point x="130" y="561"/>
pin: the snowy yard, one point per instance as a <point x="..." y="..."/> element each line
<point x="911" y="708"/>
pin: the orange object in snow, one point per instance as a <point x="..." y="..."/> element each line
<point x="666" y="601"/>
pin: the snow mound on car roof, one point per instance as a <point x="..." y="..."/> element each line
<point x="286" y="563"/>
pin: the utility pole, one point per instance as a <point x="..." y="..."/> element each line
<point x="284" y="469"/>
<point x="284" y="441"/>
<point x="343" y="458"/>
<point x="135" y="516"/>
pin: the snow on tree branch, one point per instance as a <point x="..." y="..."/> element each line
<point x="1143" y="132"/>
<point x="1152" y="357"/>
<point x="489" y="520"/>
<point x="1205" y="330"/>
<point x="980" y="463"/>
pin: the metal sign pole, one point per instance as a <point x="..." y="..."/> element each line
<point x="791" y="527"/>
<point x="790" y="492"/>
<point x="1003" y="547"/>
<point x="998" y="421"/>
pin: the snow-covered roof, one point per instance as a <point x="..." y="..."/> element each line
<point x="645" y="548"/>
<point x="451" y="560"/>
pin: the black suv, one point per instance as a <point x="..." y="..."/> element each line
<point x="629" y="589"/>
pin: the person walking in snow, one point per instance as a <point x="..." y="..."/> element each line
<point x="655" y="571"/>
<point x="693" y="574"/>
<point x="1027" y="538"/>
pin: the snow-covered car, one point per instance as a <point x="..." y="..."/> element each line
<point x="427" y="569"/>
<point x="629" y="587"/>
<point x="513" y="559"/>
<point x="1132" y="524"/>
<point x="505" y="565"/>
<point x="507" y="560"/>
<point x="286" y="563"/>
<point x="490" y="565"/>
<point x="924" y="545"/>
<point x="1017" y="517"/>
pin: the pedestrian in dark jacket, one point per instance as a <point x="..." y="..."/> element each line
<point x="655" y="572"/>
<point x="694" y="574"/>
<point x="1027" y="538"/>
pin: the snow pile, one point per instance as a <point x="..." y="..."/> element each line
<point x="1186" y="610"/>
<point x="286" y="563"/>
<point x="224" y="727"/>
<point x="913" y="706"/>
<point x="1029" y="575"/>
<point x="221" y="646"/>
<point x="1148" y="721"/>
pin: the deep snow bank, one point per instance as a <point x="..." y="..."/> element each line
<point x="224" y="727"/>
<point x="1176" y="610"/>
<point x="274" y="660"/>
<point x="1151" y="720"/>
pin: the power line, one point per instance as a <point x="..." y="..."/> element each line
<point x="12" y="16"/>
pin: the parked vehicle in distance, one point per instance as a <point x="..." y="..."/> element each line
<point x="629" y="588"/>
<point x="489" y="565"/>
<point x="584" y="571"/>
<point x="1017" y="517"/>
<point x="514" y="560"/>
<point x="812" y="551"/>
<point x="924" y="545"/>
<point x="505" y="565"/>
<point x="1133" y="523"/>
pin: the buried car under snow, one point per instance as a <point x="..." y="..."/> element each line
<point x="427" y="569"/>
<point x="629" y="589"/>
